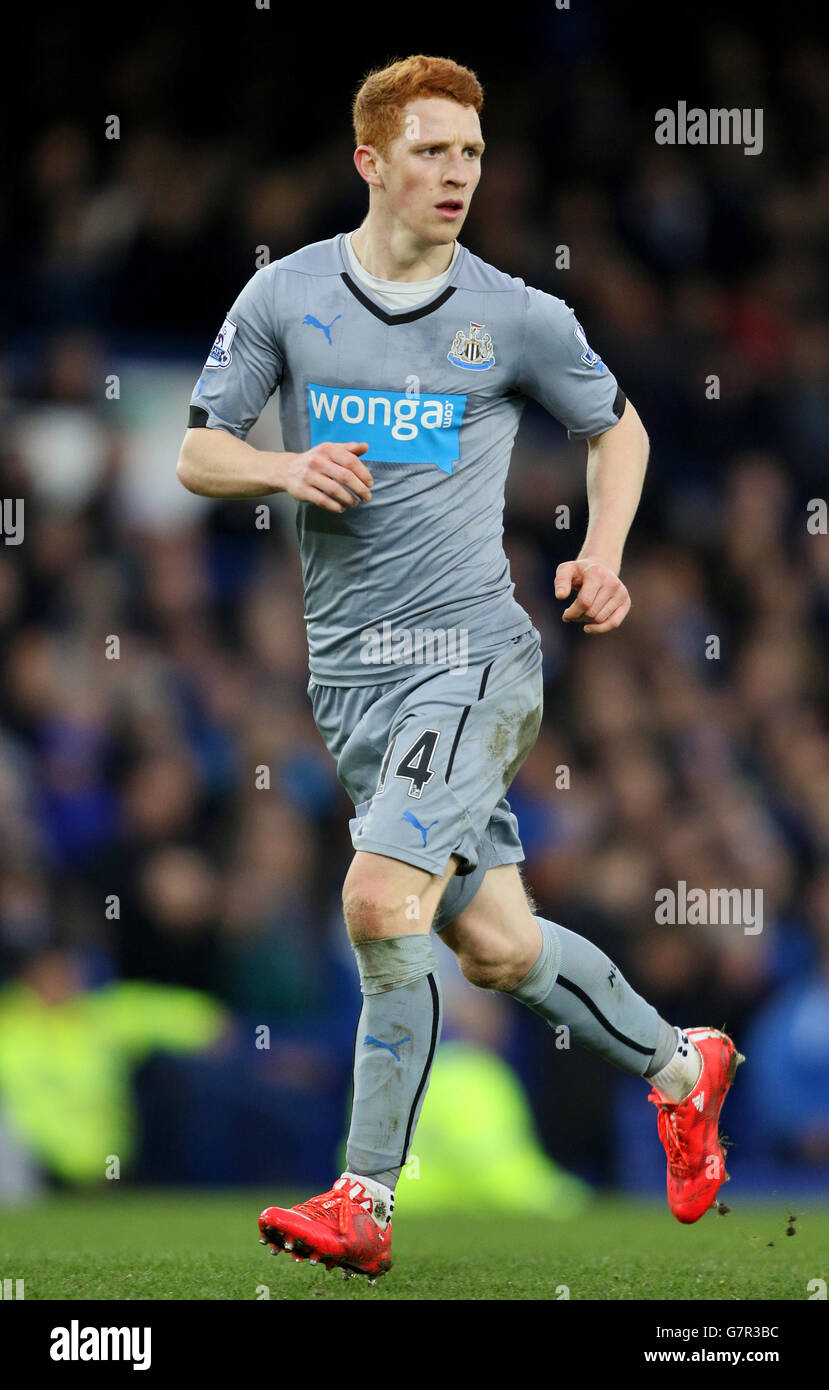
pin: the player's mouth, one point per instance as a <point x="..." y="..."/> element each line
<point x="450" y="208"/>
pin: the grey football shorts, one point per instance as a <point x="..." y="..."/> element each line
<point x="427" y="761"/>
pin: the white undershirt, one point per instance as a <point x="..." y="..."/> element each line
<point x="399" y="294"/>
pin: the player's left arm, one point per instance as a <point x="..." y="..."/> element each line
<point x="616" y="463"/>
<point x="559" y="369"/>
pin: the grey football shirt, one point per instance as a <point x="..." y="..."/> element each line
<point x="437" y="392"/>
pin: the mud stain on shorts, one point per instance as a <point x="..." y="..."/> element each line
<point x="512" y="739"/>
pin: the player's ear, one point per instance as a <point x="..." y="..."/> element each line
<point x="365" y="161"/>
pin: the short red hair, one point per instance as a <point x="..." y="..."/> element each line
<point x="378" y="106"/>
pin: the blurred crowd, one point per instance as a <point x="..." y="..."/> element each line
<point x="135" y="838"/>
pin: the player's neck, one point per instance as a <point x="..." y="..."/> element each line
<point x="394" y="253"/>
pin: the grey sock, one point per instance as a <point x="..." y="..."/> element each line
<point x="397" y="1037"/>
<point x="665" y="1048"/>
<point x="576" y="984"/>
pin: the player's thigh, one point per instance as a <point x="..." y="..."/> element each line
<point x="498" y="925"/>
<point x="388" y="897"/>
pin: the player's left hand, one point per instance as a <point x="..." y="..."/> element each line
<point x="602" y="602"/>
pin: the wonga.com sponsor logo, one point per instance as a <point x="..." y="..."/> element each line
<point x="397" y="427"/>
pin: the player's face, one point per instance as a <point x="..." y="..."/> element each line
<point x="432" y="169"/>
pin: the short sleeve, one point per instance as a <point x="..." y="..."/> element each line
<point x="245" y="364"/>
<point x="562" y="372"/>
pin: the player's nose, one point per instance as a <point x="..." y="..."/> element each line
<point x="457" y="172"/>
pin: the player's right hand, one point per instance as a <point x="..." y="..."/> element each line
<point x="331" y="476"/>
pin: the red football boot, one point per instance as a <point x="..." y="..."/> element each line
<point x="336" y="1228"/>
<point x="689" y="1128"/>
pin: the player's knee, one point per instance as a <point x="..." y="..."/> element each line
<point x="495" y="946"/>
<point x="499" y="968"/>
<point x="367" y="917"/>
<point x="374" y="906"/>
<point x="484" y="974"/>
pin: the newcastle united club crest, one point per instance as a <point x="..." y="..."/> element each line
<point x="472" y="351"/>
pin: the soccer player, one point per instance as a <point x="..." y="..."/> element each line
<point x="403" y="363"/>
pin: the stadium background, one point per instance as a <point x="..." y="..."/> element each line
<point x="135" y="777"/>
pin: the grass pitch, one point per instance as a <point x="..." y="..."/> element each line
<point x="204" y="1245"/>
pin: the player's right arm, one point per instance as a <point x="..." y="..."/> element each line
<point x="244" y="368"/>
<point x="215" y="463"/>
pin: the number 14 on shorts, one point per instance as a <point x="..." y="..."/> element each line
<point x="415" y="764"/>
